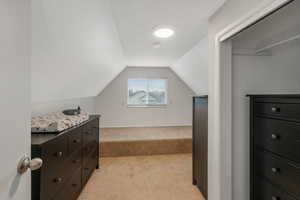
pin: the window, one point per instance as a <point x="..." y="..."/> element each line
<point x="147" y="92"/>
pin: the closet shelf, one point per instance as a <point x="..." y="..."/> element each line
<point x="250" y="52"/>
<point x="268" y="47"/>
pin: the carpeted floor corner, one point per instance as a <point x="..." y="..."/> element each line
<point x="158" y="177"/>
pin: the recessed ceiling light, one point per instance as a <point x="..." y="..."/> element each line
<point x="163" y="32"/>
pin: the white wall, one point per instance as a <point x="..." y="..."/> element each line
<point x="192" y="68"/>
<point x="87" y="104"/>
<point x="15" y="98"/>
<point x="75" y="48"/>
<point x="112" y="102"/>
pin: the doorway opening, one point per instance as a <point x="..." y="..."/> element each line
<point x="258" y="56"/>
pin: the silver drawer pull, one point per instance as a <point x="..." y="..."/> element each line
<point x="275" y="170"/>
<point x="275" y="198"/>
<point x="275" y="109"/>
<point x="274" y="136"/>
<point x="58" y="180"/>
<point x="59" y="154"/>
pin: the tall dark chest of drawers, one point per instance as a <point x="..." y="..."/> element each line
<point x="200" y="140"/>
<point x="275" y="147"/>
<point x="69" y="159"/>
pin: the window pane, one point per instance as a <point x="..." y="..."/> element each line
<point x="137" y="91"/>
<point x="157" y="91"/>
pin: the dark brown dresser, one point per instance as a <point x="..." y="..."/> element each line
<point x="200" y="140"/>
<point x="275" y="147"/>
<point x="69" y="159"/>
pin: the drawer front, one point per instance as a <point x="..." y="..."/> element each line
<point x="73" y="163"/>
<point x="95" y="123"/>
<point x="288" y="111"/>
<point x="53" y="182"/>
<point x="95" y="130"/>
<point x="75" y="140"/>
<point x="87" y="135"/>
<point x="55" y="152"/>
<point x="264" y="190"/>
<point x="92" y="131"/>
<point x="280" y="137"/>
<point x="278" y="171"/>
<point x="88" y="150"/>
<point x="71" y="189"/>
<point x="89" y="167"/>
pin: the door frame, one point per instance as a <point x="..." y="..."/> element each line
<point x="220" y="175"/>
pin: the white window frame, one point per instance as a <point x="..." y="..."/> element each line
<point x="147" y="105"/>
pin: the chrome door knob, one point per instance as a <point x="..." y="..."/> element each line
<point x="26" y="163"/>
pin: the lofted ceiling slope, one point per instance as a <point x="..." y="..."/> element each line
<point x="137" y="19"/>
<point x="75" y="48"/>
<point x="78" y="47"/>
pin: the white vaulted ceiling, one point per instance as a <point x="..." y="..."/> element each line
<point x="137" y="19"/>
<point x="75" y="48"/>
<point x="78" y="47"/>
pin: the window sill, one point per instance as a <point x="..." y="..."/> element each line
<point x="148" y="106"/>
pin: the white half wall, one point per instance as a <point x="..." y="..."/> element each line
<point x="75" y="49"/>
<point x="192" y="68"/>
<point x="87" y="104"/>
<point x="112" y="102"/>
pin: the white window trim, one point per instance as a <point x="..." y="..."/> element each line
<point x="148" y="105"/>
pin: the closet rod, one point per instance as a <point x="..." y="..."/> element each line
<point x="278" y="43"/>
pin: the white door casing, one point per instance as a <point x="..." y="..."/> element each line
<point x="15" y="98"/>
<point x="220" y="116"/>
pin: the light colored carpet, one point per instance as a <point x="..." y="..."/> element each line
<point x="162" y="177"/>
<point x="145" y="141"/>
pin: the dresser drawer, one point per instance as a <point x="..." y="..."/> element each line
<point x="264" y="190"/>
<point x="53" y="182"/>
<point x="55" y="152"/>
<point x="88" y="150"/>
<point x="288" y="111"/>
<point x="89" y="167"/>
<point x="73" y="163"/>
<point x="279" y="171"/>
<point x="75" y="140"/>
<point x="280" y="137"/>
<point x="95" y="130"/>
<point x="87" y="134"/>
<point x="71" y="189"/>
<point x="95" y="123"/>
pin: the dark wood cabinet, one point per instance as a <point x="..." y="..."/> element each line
<point x="200" y="142"/>
<point x="69" y="159"/>
<point x="275" y="147"/>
